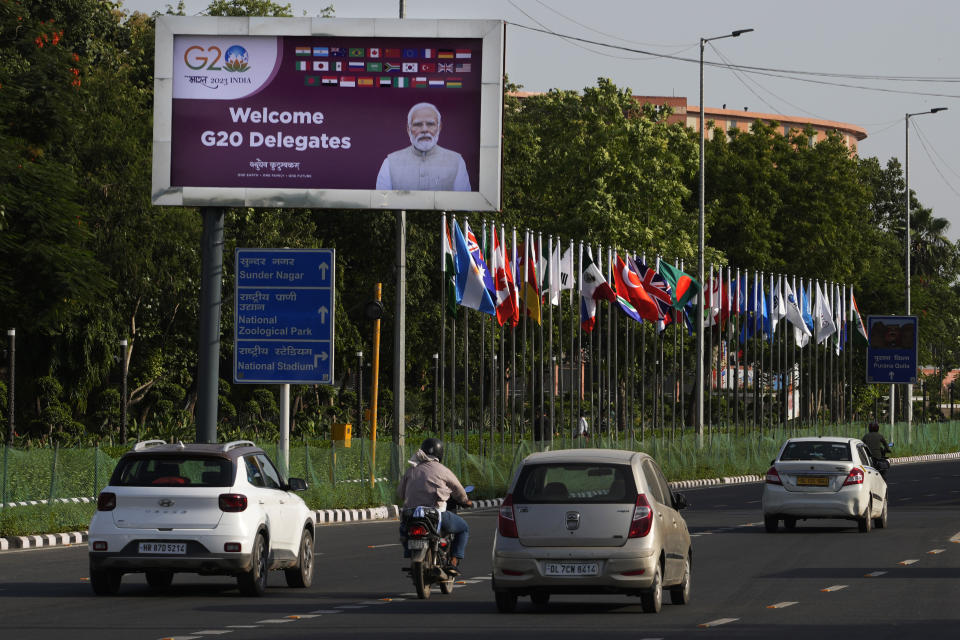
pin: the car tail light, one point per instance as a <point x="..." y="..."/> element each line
<point x="106" y="501"/>
<point x="772" y="476"/>
<point x="506" y="520"/>
<point x="233" y="502"/>
<point x="642" y="518"/>
<point x="100" y="545"/>
<point x="232" y="547"/>
<point x="417" y="531"/>
<point x="633" y="572"/>
<point x="854" y="477"/>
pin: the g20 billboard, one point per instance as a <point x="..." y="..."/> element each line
<point x="312" y="112"/>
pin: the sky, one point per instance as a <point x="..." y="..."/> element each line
<point x="865" y="62"/>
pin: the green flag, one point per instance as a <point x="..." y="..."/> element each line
<point x="684" y="287"/>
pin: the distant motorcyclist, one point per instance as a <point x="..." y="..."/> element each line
<point x="427" y="483"/>
<point x="879" y="448"/>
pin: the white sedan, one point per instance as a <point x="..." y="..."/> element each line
<point x="825" y="477"/>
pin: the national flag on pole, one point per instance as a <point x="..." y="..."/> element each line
<point x="659" y="291"/>
<point x="471" y="292"/>
<point x="530" y="290"/>
<point x="777" y="307"/>
<point x="623" y="290"/>
<point x="593" y="287"/>
<point x="514" y="280"/>
<point x="502" y="282"/>
<point x="448" y="266"/>
<point x="635" y="291"/>
<point x="838" y="317"/>
<point x="823" y="323"/>
<point x="793" y="313"/>
<point x="855" y="311"/>
<point x="684" y="287"/>
<point x="474" y="247"/>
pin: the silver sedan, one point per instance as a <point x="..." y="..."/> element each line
<point x="591" y="521"/>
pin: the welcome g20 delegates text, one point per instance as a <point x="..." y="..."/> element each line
<point x="278" y="139"/>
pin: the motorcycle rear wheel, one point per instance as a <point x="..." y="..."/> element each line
<point x="418" y="571"/>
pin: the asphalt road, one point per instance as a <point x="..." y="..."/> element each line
<point x="824" y="580"/>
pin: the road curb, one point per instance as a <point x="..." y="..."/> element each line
<point x="43" y="540"/>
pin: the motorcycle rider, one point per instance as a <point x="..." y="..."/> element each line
<point x="428" y="483"/>
<point x="879" y="448"/>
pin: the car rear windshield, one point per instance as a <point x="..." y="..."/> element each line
<point x="832" y="451"/>
<point x="576" y="484"/>
<point x="185" y="471"/>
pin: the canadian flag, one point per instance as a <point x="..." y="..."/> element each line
<point x="502" y="282"/>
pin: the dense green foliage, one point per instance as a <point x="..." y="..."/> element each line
<point x="86" y="260"/>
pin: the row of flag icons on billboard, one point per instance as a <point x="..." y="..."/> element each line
<point x="383" y="67"/>
<point x="378" y="52"/>
<point x="399" y="82"/>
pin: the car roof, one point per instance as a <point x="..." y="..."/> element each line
<point x="233" y="449"/>
<point x="824" y="439"/>
<point x="616" y="456"/>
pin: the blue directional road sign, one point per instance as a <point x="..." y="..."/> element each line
<point x="283" y="320"/>
<point x="892" y="349"/>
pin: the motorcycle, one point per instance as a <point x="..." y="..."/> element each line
<point x="883" y="464"/>
<point x="429" y="548"/>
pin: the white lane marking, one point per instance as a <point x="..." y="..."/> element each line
<point x="372" y="602"/>
<point x="378" y="546"/>
<point x="935" y="551"/>
<point x="836" y="587"/>
<point x="242" y="626"/>
<point x="781" y="605"/>
<point x="476" y="581"/>
<point x="903" y="498"/>
<point x="874" y="574"/>
<point x="351" y="606"/>
<point x="752" y="501"/>
<point x="274" y="621"/>
<point x="694" y="535"/>
<point x="213" y="632"/>
<point x="327" y="611"/>
<point x="303" y="616"/>
<point x="482" y="578"/>
<point x="182" y="637"/>
<point x="717" y="622"/>
<point x="908" y="562"/>
<point x="408" y="595"/>
<point x="750" y="524"/>
<point x="929" y="495"/>
<point x="955" y="538"/>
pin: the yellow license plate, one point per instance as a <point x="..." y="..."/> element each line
<point x="813" y="481"/>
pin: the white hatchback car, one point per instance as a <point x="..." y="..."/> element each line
<point x="591" y="521"/>
<point x="200" y="508"/>
<point x="825" y="477"/>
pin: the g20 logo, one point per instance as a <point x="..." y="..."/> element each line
<point x="235" y="59"/>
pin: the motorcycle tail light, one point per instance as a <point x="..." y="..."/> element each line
<point x="443" y="543"/>
<point x="417" y="531"/>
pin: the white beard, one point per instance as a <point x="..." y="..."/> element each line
<point x="424" y="142"/>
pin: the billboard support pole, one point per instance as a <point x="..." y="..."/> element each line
<point x="400" y="335"/>
<point x="208" y="351"/>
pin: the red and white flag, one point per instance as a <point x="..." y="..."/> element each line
<point x="501" y="282"/>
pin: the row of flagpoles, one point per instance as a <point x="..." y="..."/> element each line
<point x="530" y="374"/>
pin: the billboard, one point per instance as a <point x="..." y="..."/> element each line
<point x="313" y="112"/>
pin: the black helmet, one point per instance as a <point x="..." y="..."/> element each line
<point x="433" y="447"/>
<point x="873" y="426"/>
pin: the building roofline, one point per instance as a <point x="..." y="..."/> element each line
<point x="859" y="132"/>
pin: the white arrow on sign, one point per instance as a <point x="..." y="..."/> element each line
<point x="891" y="375"/>
<point x="323" y="266"/>
<point x="320" y="356"/>
<point x="323" y="311"/>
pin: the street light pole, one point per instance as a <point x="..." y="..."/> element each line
<point x="698" y="420"/>
<point x="906" y="179"/>
<point x="123" y="391"/>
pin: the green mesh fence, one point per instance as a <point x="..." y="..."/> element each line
<point x="362" y="475"/>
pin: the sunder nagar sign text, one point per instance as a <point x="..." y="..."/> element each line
<point x="284" y="321"/>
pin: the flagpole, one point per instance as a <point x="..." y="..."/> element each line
<point x="466" y="375"/>
<point x="481" y="367"/>
<point x="773" y="343"/>
<point x="553" y="369"/>
<point x="514" y="374"/>
<point x="643" y="380"/>
<point x="708" y="326"/>
<point x="581" y="373"/>
<point x="574" y="417"/>
<point x="614" y="365"/>
<point x="443" y="321"/>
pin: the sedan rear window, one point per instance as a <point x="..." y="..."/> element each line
<point x="832" y="451"/>
<point x="187" y="471"/>
<point x="576" y="484"/>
